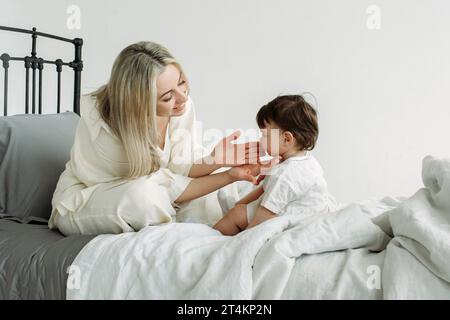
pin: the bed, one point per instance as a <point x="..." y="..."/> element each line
<point x="34" y="261"/>
<point x="389" y="248"/>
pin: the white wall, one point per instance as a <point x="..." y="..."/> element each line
<point x="382" y="94"/>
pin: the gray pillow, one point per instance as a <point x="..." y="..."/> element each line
<point x="33" y="152"/>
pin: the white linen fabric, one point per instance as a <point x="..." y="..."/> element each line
<point x="297" y="182"/>
<point x="295" y="186"/>
<point x="394" y="248"/>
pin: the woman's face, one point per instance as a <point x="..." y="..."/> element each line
<point x="172" y="93"/>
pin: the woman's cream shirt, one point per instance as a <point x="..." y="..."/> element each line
<point x="98" y="158"/>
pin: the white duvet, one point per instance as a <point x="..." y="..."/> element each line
<point x="387" y="249"/>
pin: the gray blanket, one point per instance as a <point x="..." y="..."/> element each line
<point x="34" y="260"/>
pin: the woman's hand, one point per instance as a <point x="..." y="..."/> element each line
<point x="247" y="172"/>
<point x="228" y="154"/>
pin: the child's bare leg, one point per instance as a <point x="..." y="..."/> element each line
<point x="234" y="221"/>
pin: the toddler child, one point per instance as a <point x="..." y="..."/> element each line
<point x="295" y="186"/>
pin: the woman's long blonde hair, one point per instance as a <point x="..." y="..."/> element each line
<point x="127" y="103"/>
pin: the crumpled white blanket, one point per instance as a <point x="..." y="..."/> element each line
<point x="387" y="249"/>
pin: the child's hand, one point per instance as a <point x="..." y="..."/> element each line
<point x="246" y="172"/>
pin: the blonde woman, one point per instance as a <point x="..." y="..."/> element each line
<point x="132" y="162"/>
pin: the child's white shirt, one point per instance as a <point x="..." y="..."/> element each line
<point x="297" y="185"/>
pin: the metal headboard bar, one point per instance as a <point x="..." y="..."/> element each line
<point x="34" y="63"/>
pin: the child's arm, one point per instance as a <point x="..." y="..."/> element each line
<point x="262" y="214"/>
<point x="252" y="196"/>
<point x="201" y="186"/>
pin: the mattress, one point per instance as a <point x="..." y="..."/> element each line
<point x="34" y="260"/>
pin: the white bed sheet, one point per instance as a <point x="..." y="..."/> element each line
<point x="386" y="249"/>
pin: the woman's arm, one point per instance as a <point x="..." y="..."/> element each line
<point x="252" y="196"/>
<point x="206" y="167"/>
<point x="204" y="185"/>
<point x="201" y="186"/>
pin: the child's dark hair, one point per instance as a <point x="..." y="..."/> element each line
<point x="292" y="113"/>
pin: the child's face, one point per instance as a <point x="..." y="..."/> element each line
<point x="272" y="139"/>
<point x="276" y="141"/>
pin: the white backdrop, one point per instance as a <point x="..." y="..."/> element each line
<point x="380" y="70"/>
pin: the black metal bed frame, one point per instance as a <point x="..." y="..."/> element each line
<point x="34" y="62"/>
